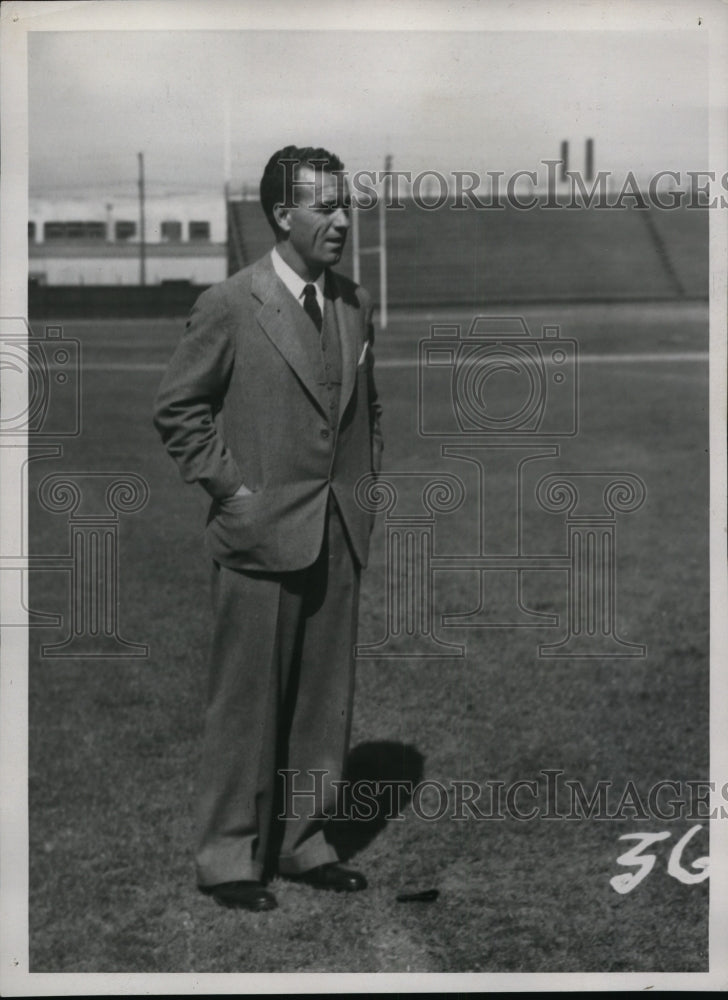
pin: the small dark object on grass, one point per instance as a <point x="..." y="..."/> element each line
<point x="426" y="896"/>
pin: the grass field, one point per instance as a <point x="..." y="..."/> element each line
<point x="114" y="743"/>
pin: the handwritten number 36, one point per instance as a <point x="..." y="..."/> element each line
<point x="646" y="862"/>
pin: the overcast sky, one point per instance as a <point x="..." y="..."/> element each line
<point x="447" y="101"/>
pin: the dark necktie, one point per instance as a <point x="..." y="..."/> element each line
<point x="311" y="306"/>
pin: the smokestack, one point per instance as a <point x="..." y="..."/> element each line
<point x="564" y="160"/>
<point x="589" y="158"/>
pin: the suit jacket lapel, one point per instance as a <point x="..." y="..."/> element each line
<point x="348" y="323"/>
<point x="286" y="325"/>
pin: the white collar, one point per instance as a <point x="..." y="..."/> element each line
<point x="294" y="282"/>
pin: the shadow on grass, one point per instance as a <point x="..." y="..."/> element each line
<point x="383" y="765"/>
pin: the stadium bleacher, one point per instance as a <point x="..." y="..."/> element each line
<point x="447" y="257"/>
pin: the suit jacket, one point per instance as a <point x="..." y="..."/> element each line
<point x="240" y="404"/>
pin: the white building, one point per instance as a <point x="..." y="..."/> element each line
<point x="96" y="240"/>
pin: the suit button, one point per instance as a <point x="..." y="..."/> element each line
<point x="325" y="432"/>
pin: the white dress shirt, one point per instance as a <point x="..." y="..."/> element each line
<point x="295" y="283"/>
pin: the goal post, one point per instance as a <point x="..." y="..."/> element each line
<point x="378" y="248"/>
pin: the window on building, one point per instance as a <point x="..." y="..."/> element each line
<point x="54" y="231"/>
<point x="124" y="230"/>
<point x="171" y="231"/>
<point x="31" y="232"/>
<point x="74" y="231"/>
<point x="199" y="232"/>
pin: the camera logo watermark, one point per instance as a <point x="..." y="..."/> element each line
<point x="499" y="398"/>
<point x="500" y="379"/>
<point x="41" y="381"/>
<point x="41" y="407"/>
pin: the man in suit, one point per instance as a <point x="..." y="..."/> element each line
<point x="269" y="403"/>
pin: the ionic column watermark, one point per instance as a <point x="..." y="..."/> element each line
<point x="93" y="558"/>
<point x="409" y="548"/>
<point x="591" y="501"/>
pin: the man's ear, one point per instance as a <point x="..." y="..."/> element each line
<point x="282" y="215"/>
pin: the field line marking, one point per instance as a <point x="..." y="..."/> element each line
<point x="122" y="366"/>
<point x="434" y="312"/>
<point x="686" y="356"/>
<point x="647" y="358"/>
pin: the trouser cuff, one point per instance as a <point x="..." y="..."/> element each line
<point x="316" y="851"/>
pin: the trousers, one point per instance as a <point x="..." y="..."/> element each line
<point x="280" y="696"/>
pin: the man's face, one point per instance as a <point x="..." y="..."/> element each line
<point x="318" y="224"/>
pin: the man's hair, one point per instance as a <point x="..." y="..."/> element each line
<point x="276" y="184"/>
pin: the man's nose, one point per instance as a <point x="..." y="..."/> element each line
<point x="342" y="222"/>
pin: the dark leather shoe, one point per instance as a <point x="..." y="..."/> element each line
<point x="243" y="895"/>
<point x="331" y="876"/>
